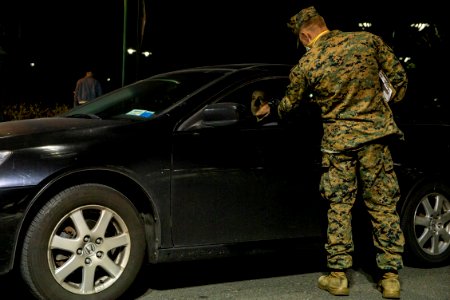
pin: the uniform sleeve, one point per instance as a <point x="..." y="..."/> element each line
<point x="393" y="69"/>
<point x="294" y="91"/>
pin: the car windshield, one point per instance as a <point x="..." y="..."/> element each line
<point x="146" y="98"/>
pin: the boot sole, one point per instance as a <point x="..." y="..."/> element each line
<point x="389" y="295"/>
<point x="336" y="292"/>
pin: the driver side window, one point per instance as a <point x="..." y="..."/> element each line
<point x="260" y="99"/>
<point x="257" y="102"/>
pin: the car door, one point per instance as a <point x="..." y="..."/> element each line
<point x="245" y="182"/>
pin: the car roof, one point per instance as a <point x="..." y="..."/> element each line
<point x="232" y="67"/>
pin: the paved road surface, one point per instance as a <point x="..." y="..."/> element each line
<point x="417" y="284"/>
<point x="267" y="277"/>
<point x="253" y="280"/>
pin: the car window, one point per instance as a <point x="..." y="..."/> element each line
<point x="424" y="47"/>
<point x="271" y="90"/>
<point x="275" y="89"/>
<point x="421" y="43"/>
<point x="147" y="98"/>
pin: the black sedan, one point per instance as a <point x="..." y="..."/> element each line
<point x="175" y="167"/>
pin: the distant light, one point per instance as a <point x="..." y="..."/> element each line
<point x="108" y="79"/>
<point x="364" y="25"/>
<point x="405" y="59"/>
<point x="32" y="64"/>
<point x="147" y="53"/>
<point x="420" y="26"/>
<point x="131" y="50"/>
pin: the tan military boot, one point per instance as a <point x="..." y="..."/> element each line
<point x="389" y="285"/>
<point x="336" y="283"/>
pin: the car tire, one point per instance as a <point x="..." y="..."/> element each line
<point x="426" y="225"/>
<point x="87" y="242"/>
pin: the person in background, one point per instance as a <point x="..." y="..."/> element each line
<point x="86" y="89"/>
<point x="342" y="69"/>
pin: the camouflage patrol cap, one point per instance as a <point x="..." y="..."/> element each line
<point x="301" y="18"/>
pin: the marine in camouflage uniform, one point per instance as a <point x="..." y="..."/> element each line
<point x="341" y="69"/>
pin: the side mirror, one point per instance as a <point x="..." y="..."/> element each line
<point x="222" y="114"/>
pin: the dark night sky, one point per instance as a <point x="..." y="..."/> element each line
<point x="65" y="37"/>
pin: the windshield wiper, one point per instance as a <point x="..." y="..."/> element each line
<point x="85" y="116"/>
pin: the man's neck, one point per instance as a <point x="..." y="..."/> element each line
<point x="314" y="40"/>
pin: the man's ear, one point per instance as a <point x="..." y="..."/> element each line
<point x="305" y="37"/>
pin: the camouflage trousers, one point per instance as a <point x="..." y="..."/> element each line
<point x="369" y="169"/>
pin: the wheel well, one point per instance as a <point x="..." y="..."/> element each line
<point x="439" y="181"/>
<point x="418" y="253"/>
<point x="130" y="188"/>
<point x="413" y="184"/>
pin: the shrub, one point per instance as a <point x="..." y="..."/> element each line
<point x="30" y="111"/>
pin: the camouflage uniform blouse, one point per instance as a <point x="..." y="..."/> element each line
<point x="341" y="69"/>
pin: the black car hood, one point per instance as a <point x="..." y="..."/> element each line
<point x="43" y="125"/>
<point x="57" y="130"/>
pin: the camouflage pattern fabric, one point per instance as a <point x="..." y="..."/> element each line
<point x="342" y="70"/>
<point x="302" y="18"/>
<point x="370" y="168"/>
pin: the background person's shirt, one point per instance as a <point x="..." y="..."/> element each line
<point x="87" y="89"/>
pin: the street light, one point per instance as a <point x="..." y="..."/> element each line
<point x="137" y="53"/>
<point x="131" y="51"/>
<point x="137" y="7"/>
<point x="124" y="39"/>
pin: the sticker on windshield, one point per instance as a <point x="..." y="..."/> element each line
<point x="141" y="113"/>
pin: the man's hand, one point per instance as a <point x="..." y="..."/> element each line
<point x="263" y="111"/>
